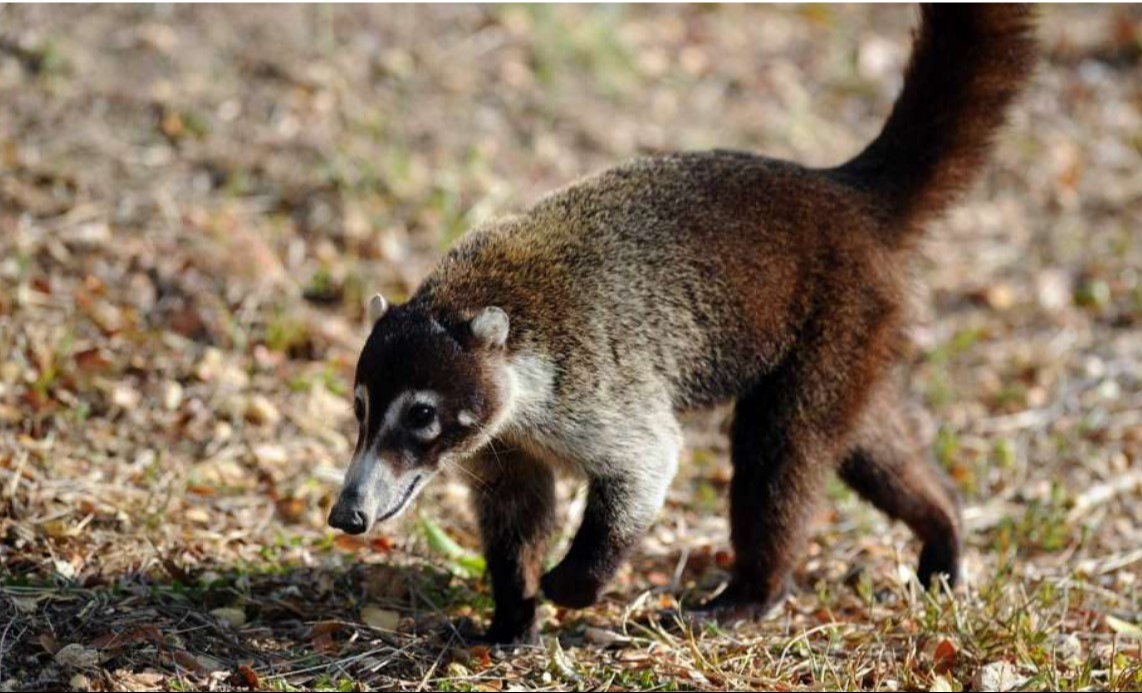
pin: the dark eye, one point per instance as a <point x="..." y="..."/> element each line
<point x="419" y="415"/>
<point x="359" y="408"/>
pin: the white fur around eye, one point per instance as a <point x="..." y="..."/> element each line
<point x="429" y="432"/>
<point x="400" y="405"/>
<point x="362" y="394"/>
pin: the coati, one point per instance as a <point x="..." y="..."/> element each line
<point x="570" y="336"/>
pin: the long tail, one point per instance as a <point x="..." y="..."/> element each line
<point x="968" y="64"/>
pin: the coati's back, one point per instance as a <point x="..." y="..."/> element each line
<point x="701" y="269"/>
<point x="690" y="269"/>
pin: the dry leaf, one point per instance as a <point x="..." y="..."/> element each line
<point x="382" y="619"/>
<point x="944" y="657"/>
<point x="941" y="685"/>
<point x="231" y="616"/>
<point x="25" y="605"/>
<point x="245" y="677"/>
<point x="261" y="411"/>
<point x="604" y="638"/>
<point x="48" y="642"/>
<point x="998" y="677"/>
<point x="188" y="661"/>
<point x="1122" y="627"/>
<point x="480" y="656"/>
<point x="77" y="656"/>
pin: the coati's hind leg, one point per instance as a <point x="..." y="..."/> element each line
<point x="514" y="498"/>
<point x="788" y="432"/>
<point x="777" y="478"/>
<point x="627" y="486"/>
<point x="888" y="465"/>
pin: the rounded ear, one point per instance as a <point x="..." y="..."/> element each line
<point x="490" y="327"/>
<point x="377" y="307"/>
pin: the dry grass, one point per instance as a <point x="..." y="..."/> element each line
<point x="194" y="201"/>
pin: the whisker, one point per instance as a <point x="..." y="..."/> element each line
<point x="483" y="483"/>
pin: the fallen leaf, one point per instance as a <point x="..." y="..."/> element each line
<point x="322" y="635"/>
<point x="231" y="616"/>
<point x="292" y="509"/>
<point x="1122" y="627"/>
<point x="941" y="685"/>
<point x="944" y="658"/>
<point x="92" y="360"/>
<point x="481" y="655"/>
<point x="25" y="605"/>
<point x="382" y="619"/>
<point x="261" y="411"/>
<point x="245" y="677"/>
<point x="77" y="656"/>
<point x="172" y="395"/>
<point x="197" y="514"/>
<point x="603" y="637"/>
<point x="64" y="569"/>
<point x="48" y="642"/>
<point x="189" y="662"/>
<point x="347" y="542"/>
<point x="126" y="396"/>
<point x="998" y="677"/>
<point x="146" y="680"/>
<point x="117" y="640"/>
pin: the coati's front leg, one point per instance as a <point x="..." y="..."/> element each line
<point x="888" y="465"/>
<point x="623" y="498"/>
<point x="514" y="497"/>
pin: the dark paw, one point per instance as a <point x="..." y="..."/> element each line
<point x="500" y="633"/>
<point x="734" y="606"/>
<point x="510" y="635"/>
<point x="939" y="559"/>
<point x="570" y="587"/>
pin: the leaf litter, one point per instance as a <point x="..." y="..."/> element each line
<point x="187" y="238"/>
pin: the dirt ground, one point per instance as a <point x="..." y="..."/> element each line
<point x="195" y="201"/>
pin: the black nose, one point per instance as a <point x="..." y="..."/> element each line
<point x="348" y="521"/>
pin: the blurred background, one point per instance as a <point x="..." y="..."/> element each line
<point x="196" y="201"/>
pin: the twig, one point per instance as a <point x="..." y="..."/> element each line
<point x="1019" y="421"/>
<point x="3" y="651"/>
<point x="1099" y="494"/>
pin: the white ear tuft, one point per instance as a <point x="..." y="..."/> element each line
<point x="377" y="307"/>
<point x="490" y="327"/>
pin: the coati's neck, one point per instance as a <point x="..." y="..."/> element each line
<point x="530" y="383"/>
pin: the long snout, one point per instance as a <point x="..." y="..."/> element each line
<point x="373" y="492"/>
<point x="366" y="487"/>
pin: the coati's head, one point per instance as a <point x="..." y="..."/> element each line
<point x="425" y="393"/>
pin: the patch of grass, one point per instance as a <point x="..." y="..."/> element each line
<point x="286" y="335"/>
<point x="941" y="385"/>
<point x="44" y="60"/>
<point x="327" y="682"/>
<point x="589" y="43"/>
<point x="1042" y="528"/>
<point x="706" y="498"/>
